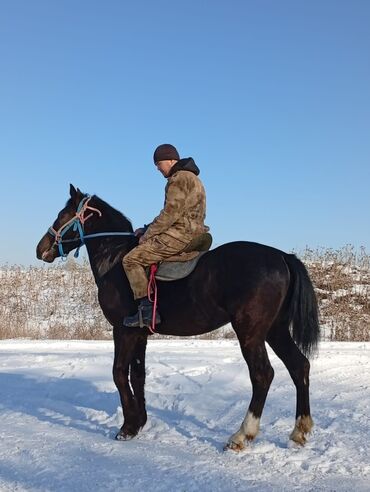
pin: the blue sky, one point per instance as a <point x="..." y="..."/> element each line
<point x="271" y="99"/>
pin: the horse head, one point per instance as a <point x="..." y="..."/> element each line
<point x="66" y="233"/>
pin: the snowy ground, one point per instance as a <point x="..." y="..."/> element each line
<point x="60" y="411"/>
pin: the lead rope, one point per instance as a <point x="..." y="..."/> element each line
<point x="152" y="294"/>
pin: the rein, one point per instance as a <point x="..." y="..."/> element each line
<point x="77" y="223"/>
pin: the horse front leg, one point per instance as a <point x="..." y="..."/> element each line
<point x="124" y="349"/>
<point x="137" y="377"/>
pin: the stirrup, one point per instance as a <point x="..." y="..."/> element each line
<point x="142" y="319"/>
<point x="140" y="315"/>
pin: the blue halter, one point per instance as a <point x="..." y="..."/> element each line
<point x="77" y="224"/>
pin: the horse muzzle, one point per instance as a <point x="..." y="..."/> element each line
<point x="46" y="250"/>
<point x="48" y="256"/>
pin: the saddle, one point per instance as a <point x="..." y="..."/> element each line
<point x="175" y="269"/>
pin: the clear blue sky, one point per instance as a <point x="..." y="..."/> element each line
<point x="271" y="98"/>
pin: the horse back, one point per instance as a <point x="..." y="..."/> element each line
<point x="228" y="278"/>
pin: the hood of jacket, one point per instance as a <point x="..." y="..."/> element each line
<point x="186" y="164"/>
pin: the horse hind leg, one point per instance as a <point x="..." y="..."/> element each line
<point x="302" y="429"/>
<point x="261" y="374"/>
<point x="298" y="366"/>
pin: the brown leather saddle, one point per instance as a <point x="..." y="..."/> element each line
<point x="174" y="270"/>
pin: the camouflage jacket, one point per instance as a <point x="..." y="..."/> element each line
<point x="184" y="211"/>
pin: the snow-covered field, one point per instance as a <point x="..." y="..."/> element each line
<point x="60" y="411"/>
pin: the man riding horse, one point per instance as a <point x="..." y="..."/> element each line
<point x="266" y="294"/>
<point x="180" y="221"/>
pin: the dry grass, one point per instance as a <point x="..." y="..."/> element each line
<point x="60" y="302"/>
<point x="342" y="283"/>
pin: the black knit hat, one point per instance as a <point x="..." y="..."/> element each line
<point x="166" y="152"/>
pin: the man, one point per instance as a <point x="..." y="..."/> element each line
<point x="180" y="221"/>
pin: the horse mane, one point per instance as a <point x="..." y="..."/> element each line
<point x="118" y="220"/>
<point x="108" y="255"/>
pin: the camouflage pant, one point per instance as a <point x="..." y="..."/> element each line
<point x="154" y="250"/>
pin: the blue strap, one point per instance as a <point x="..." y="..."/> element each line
<point x="100" y="234"/>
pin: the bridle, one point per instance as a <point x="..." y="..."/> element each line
<point x="77" y="223"/>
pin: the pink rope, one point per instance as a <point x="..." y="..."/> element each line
<point x="152" y="290"/>
<point x="79" y="215"/>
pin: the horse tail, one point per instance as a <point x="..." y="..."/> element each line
<point x="303" y="313"/>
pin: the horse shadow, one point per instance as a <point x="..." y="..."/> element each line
<point x="188" y="425"/>
<point x="68" y="402"/>
<point x="79" y="404"/>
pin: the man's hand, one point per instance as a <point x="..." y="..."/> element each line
<point x="139" y="232"/>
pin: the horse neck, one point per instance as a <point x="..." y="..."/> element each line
<point x="106" y="252"/>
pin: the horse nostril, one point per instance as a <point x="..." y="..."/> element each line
<point x="48" y="256"/>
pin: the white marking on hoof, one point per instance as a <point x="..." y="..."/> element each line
<point x="250" y="426"/>
<point x="302" y="428"/>
<point x="248" y="431"/>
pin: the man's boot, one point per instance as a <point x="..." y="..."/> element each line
<point x="144" y="315"/>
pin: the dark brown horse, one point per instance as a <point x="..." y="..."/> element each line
<point x="265" y="293"/>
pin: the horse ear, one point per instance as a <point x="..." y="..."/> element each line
<point x="79" y="191"/>
<point x="72" y="191"/>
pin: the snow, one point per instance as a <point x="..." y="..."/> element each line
<point x="60" y="412"/>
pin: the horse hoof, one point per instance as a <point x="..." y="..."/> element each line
<point x="301" y="430"/>
<point x="125" y="436"/>
<point x="234" y="446"/>
<point x="298" y="439"/>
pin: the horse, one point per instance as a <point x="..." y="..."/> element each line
<point x="264" y="293"/>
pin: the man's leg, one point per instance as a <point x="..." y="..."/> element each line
<point x="135" y="271"/>
<point x="134" y="263"/>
